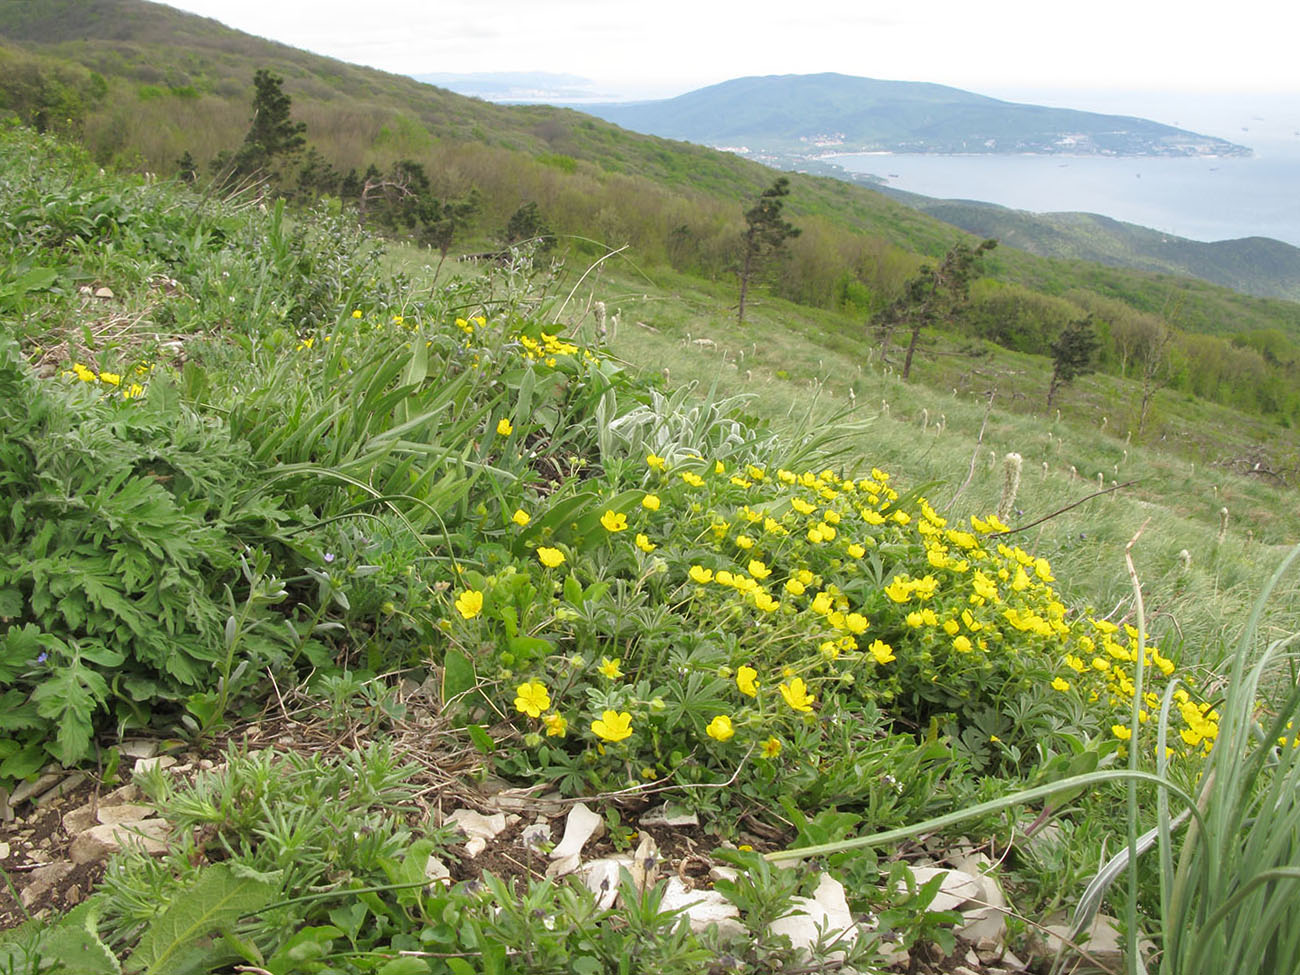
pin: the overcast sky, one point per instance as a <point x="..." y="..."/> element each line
<point x="1210" y="45"/>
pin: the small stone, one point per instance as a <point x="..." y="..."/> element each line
<point x="79" y="819"/>
<point x="143" y="765"/>
<point x="602" y="878"/>
<point x="124" y="813"/>
<point x="35" y="787"/>
<point x="98" y="842"/>
<point x="103" y="292"/>
<point x="703" y="908"/>
<point x="4" y="851"/>
<point x="956" y="888"/>
<point x="42" y="880"/>
<point x="123" y="793"/>
<point x="436" y="871"/>
<point x="667" y="815"/>
<point x="1012" y="963"/>
<point x="476" y="825"/>
<point x="61" y="788"/>
<point x="139" y="747"/>
<point x="720" y="872"/>
<point x="536" y="836"/>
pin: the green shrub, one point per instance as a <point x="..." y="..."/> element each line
<point x="121" y="531"/>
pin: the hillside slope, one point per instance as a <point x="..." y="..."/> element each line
<point x="1253" y="265"/>
<point x="176" y="83"/>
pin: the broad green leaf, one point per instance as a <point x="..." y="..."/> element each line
<point x="404" y="966"/>
<point x="174" y="944"/>
<point x="458" y="674"/>
<point x="481" y="739"/>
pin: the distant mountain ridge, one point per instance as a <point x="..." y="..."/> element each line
<point x="814" y="115"/>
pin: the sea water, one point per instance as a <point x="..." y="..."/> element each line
<point x="1201" y="198"/>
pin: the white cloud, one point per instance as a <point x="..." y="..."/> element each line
<point x="1149" y="44"/>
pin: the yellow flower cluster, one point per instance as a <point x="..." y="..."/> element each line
<point x="802" y="565"/>
<point x="131" y="390"/>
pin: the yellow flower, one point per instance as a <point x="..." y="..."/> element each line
<point x="650" y="502"/>
<point x="644" y="543"/>
<point x="882" y="651"/>
<point x="857" y="623"/>
<point x="521" y="517"/>
<point x="556" y="725"/>
<point x="112" y="378"/>
<point x="613" y="725"/>
<point x="614" y="521"/>
<point x="758" y="570"/>
<point x="720" y="728"/>
<point x="84" y="374"/>
<point x="505" y="427"/>
<point x="532" y="699"/>
<point x="796" y="695"/>
<point x="962" y="644"/>
<point x="1121" y="731"/>
<point x="765" y="602"/>
<point x="398" y="319"/>
<point x="550" y="557"/>
<point x="771" y="748"/>
<point x="693" y="479"/>
<point x="132" y="391"/>
<point x="821" y="604"/>
<point x="856" y="551"/>
<point x="745" y="681"/>
<point x="802" y="506"/>
<point x="654" y="462"/>
<point x="701" y="575"/>
<point x="470" y="603"/>
<point x="794" y="587"/>
<point x="899" y="590"/>
<point x="745" y="542"/>
<point x="1060" y="684"/>
<point x="356" y="312"/>
<point x="609" y="667"/>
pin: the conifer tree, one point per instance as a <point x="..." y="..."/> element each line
<point x="765" y="236"/>
<point x="1072" y="354"/>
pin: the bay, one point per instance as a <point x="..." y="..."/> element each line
<point x="1201" y="198"/>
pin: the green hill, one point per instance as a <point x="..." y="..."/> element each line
<point x="142" y="85"/>
<point x="1253" y="265"/>
<point x="812" y="113"/>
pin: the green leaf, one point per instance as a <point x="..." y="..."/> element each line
<point x="72" y="947"/>
<point x="481" y="739"/>
<point x="175" y="941"/>
<point x="20" y="647"/>
<point x="572" y="591"/>
<point x="458" y="674"/>
<point x="404" y="966"/>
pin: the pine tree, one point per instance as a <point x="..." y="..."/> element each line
<point x="1072" y="354"/>
<point x="933" y="294"/>
<point x="765" y="236"/>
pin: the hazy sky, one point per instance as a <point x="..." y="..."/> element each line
<point x="663" y="48"/>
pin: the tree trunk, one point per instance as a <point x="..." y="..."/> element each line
<point x="745" y="272"/>
<point x="911" y="348"/>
